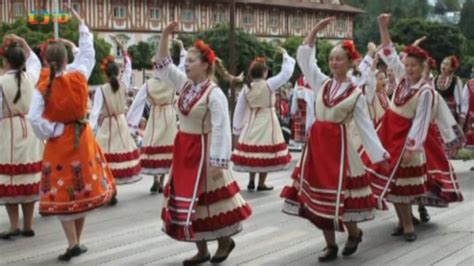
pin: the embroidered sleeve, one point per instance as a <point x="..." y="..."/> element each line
<point x="96" y="107"/>
<point x="33" y="67"/>
<point x="167" y="71"/>
<point x="221" y="134"/>
<point x="368" y="136"/>
<point x="305" y="56"/>
<point x="419" y="129"/>
<point x="286" y="71"/>
<point x="135" y="112"/>
<point x="86" y="57"/>
<point x="389" y="55"/>
<point x="43" y="128"/>
<point x="240" y="113"/>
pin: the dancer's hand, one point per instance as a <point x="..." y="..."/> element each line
<point x="215" y="172"/>
<point x="419" y="41"/>
<point x="281" y="50"/>
<point x="371" y="49"/>
<point x="384" y="19"/>
<point x="170" y="28"/>
<point x="73" y="12"/>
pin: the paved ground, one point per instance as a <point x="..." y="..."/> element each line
<point x="129" y="234"/>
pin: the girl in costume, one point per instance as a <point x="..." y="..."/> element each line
<point x="22" y="151"/>
<point x="202" y="201"/>
<point x="449" y="85"/>
<point x="75" y="176"/>
<point x="330" y="187"/>
<point x="261" y="147"/>
<point x="108" y="120"/>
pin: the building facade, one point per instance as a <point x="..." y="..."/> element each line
<point x="143" y="20"/>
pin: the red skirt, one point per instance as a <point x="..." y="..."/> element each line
<point x="442" y="180"/>
<point x="189" y="212"/>
<point x="391" y="184"/>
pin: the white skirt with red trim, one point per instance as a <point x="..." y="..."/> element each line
<point x="20" y="161"/>
<point x="261" y="146"/>
<point x="119" y="149"/>
<point x="157" y="150"/>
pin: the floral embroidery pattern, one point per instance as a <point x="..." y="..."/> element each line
<point x="46" y="178"/>
<point x="78" y="183"/>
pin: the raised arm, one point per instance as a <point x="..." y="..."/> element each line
<point x="75" y="52"/>
<point x="32" y="64"/>
<point x="286" y="71"/>
<point x="165" y="69"/>
<point x="306" y="57"/>
<point x="371" y="84"/>
<point x="86" y="57"/>
<point x="387" y="52"/>
<point x="182" y="55"/>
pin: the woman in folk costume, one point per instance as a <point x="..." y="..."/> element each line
<point x="202" y="201"/>
<point x="467" y="114"/>
<point x="403" y="131"/>
<point x="161" y="129"/>
<point x="108" y="119"/>
<point x="449" y="85"/>
<point x="261" y="147"/>
<point x="75" y="176"/>
<point x="22" y="151"/>
<point x="376" y="93"/>
<point x="331" y="188"/>
<point x="302" y="110"/>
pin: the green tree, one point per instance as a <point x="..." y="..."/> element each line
<point x="141" y="55"/>
<point x="466" y="22"/>
<point x="452" y="5"/>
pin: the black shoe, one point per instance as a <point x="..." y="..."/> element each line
<point x="397" y="231"/>
<point x="83" y="248"/>
<point x="72" y="252"/>
<point x="349" y="250"/>
<point x="113" y="201"/>
<point x="415" y="220"/>
<point x="251" y="186"/>
<point x="264" y="188"/>
<point x="215" y="259"/>
<point x="330" y="255"/>
<point x="154" y="187"/>
<point x="472" y="169"/>
<point x="10" y="234"/>
<point x="409" y="237"/>
<point x="197" y="262"/>
<point x="424" y="215"/>
<point x="28" y="233"/>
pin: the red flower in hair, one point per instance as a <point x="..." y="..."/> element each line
<point x="415" y="51"/>
<point x="206" y="51"/>
<point x="432" y="63"/>
<point x="454" y="61"/>
<point x="44" y="46"/>
<point x="350" y="48"/>
<point x="108" y="59"/>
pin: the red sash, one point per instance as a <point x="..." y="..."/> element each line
<point x="324" y="176"/>
<point x="187" y="174"/>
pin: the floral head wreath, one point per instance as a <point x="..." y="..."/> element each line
<point x="4" y="47"/>
<point x="44" y="46"/>
<point x="454" y="61"/>
<point x="416" y="51"/>
<point x="350" y="48"/>
<point x="432" y="63"/>
<point x="206" y="51"/>
<point x="106" y="61"/>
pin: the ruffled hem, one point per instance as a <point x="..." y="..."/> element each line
<point x="261" y="148"/>
<point x="155" y="171"/>
<point x="19" y="190"/>
<point x="357" y="182"/>
<point x="122" y="157"/>
<point x="210" y="224"/>
<point x="19" y="199"/>
<point x="320" y="222"/>
<point x="416" y="190"/>
<point x="145" y="163"/>
<point x="259" y="162"/>
<point x="268" y="169"/>
<point x="126" y="172"/>
<point x="150" y="150"/>
<point x="20" y="169"/>
<point x="222" y="193"/>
